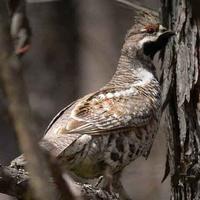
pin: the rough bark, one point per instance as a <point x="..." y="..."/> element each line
<point x="181" y="86"/>
<point x="15" y="183"/>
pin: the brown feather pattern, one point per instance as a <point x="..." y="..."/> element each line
<point x="116" y="124"/>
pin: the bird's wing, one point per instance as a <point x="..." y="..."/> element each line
<point x="99" y="113"/>
<point x="103" y="111"/>
<point x="110" y="109"/>
<point x="59" y="114"/>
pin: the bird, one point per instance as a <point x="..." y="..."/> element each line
<point x="106" y="130"/>
<point x="110" y="128"/>
<point x="116" y="124"/>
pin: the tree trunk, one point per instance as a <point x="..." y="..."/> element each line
<point x="181" y="99"/>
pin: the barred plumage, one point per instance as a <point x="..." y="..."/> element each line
<point x="116" y="124"/>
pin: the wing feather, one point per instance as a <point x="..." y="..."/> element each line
<point x="96" y="114"/>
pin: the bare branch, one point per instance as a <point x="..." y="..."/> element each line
<point x="64" y="183"/>
<point x="13" y="85"/>
<point x="14" y="182"/>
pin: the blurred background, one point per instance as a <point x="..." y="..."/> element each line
<point x="75" y="49"/>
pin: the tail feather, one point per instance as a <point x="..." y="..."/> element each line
<point x="57" y="144"/>
<point x="54" y="145"/>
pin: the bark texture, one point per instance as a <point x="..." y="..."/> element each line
<point x="181" y="99"/>
<point x="15" y="183"/>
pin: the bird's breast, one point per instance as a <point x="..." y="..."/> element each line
<point x="116" y="149"/>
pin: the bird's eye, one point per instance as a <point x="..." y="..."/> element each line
<point x="151" y="28"/>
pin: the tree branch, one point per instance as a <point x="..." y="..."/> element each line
<point x="14" y="87"/>
<point x="15" y="182"/>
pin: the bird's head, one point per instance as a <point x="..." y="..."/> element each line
<point x="147" y="40"/>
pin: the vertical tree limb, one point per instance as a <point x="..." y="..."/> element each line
<point x="14" y="87"/>
<point x="15" y="182"/>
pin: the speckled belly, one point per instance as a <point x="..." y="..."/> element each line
<point x="89" y="156"/>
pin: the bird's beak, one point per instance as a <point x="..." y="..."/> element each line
<point x="166" y="35"/>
